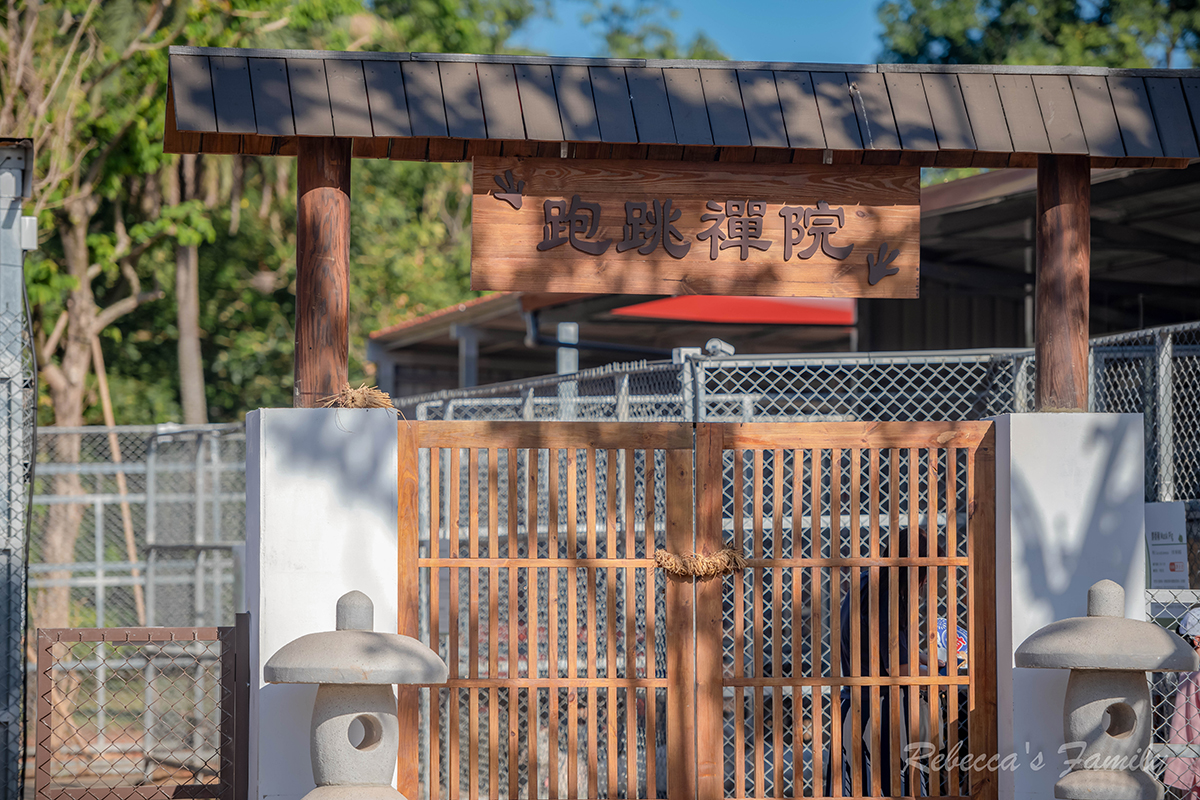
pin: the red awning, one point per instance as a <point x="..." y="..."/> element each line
<point x="746" y="310"/>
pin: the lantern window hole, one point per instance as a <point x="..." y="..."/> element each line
<point x="1119" y="720"/>
<point x="364" y="732"/>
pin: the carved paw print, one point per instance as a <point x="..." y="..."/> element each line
<point x="877" y="265"/>
<point x="510" y="190"/>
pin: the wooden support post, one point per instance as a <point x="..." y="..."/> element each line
<point x="1063" y="260"/>
<point x="322" y="269"/>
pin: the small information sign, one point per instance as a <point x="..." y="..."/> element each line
<point x="1166" y="543"/>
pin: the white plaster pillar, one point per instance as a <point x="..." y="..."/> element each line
<point x="321" y="520"/>
<point x="1069" y="512"/>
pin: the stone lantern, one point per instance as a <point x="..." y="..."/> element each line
<point x="1107" y="705"/>
<point x="355" y="667"/>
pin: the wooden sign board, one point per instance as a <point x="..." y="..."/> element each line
<point x="667" y="227"/>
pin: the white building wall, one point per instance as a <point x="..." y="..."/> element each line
<point x="1069" y="512"/>
<point x="320" y="521"/>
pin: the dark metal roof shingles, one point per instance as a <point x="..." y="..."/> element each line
<point x="651" y="107"/>
<point x="876" y="120"/>
<point x="272" y="98"/>
<point x="726" y="113"/>
<point x="614" y="108"/>
<point x="539" y="103"/>
<point x="348" y="98"/>
<point x="284" y="93"/>
<point x="385" y="92"/>
<point x="764" y="115"/>
<point x="576" y="106"/>
<point x="688" y="111"/>
<point x="231" y="92"/>
<point x="310" y="97"/>
<point x="191" y="83"/>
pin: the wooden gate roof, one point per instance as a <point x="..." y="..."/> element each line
<point x="445" y="107"/>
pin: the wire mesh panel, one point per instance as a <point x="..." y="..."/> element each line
<point x="911" y="387"/>
<point x="860" y="540"/>
<point x="141" y="712"/>
<point x="135" y="525"/>
<point x="542" y="597"/>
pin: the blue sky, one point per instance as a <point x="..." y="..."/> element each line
<point x="839" y="31"/>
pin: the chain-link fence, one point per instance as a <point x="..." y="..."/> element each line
<point x="1155" y="372"/>
<point x="137" y="525"/>
<point x="156" y="711"/>
<point x="18" y="401"/>
<point x="1174" y="699"/>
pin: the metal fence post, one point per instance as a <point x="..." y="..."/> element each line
<point x="1165" y="414"/>
<point x="18" y="408"/>
<point x="687" y="391"/>
<point x="151" y="531"/>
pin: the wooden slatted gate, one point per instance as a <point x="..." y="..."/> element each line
<point x="579" y="670"/>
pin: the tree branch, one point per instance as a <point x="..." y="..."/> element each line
<point x="51" y="344"/>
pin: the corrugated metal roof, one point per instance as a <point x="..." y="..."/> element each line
<point x="451" y="107"/>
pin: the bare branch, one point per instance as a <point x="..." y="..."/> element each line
<point x="51" y="344"/>
<point x="69" y="55"/>
<point x="53" y="374"/>
<point x="122" y="307"/>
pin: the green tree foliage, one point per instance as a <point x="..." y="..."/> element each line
<point x="410" y="237"/>
<point x="642" y="29"/>
<point x="1108" y="33"/>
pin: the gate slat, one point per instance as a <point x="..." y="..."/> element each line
<point x="931" y="606"/>
<point x="710" y="628"/>
<point x="757" y="638"/>
<point x="631" y="770"/>
<point x="610" y="628"/>
<point x="408" y="594"/>
<point x="798" y="714"/>
<point x="573" y="620"/>
<point x="876" y="711"/>
<point x="981" y="541"/>
<point x="553" y="667"/>
<point x="434" y="777"/>
<point x="894" y="695"/>
<point x="837" y="746"/>
<point x="473" y="623"/>
<point x="777" y="622"/>
<point x="739" y="621"/>
<point x="952" y="613"/>
<point x="592" y="744"/>
<point x="511" y="660"/>
<point x="815" y="643"/>
<point x="681" y="750"/>
<point x="914" y="717"/>
<point x="651" y="529"/>
<point x="454" y="751"/>
<point x="856" y="621"/>
<point x="493" y="579"/>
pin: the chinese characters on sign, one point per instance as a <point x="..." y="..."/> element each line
<point x="567" y="225"/>
<point x="649" y="225"/>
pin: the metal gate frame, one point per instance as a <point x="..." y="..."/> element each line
<point x="234" y="711"/>
<point x="694" y="517"/>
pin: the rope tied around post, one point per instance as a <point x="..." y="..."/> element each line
<point x="722" y="562"/>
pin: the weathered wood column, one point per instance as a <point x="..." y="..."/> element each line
<point x="322" y="269"/>
<point x="1064" y="203"/>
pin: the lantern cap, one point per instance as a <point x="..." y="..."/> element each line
<point x="354" y="653"/>
<point x="1106" y="639"/>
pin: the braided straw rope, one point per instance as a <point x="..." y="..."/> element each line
<point x="722" y="562"/>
